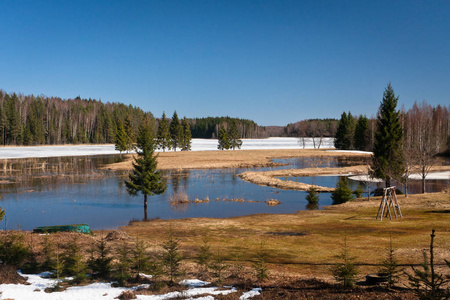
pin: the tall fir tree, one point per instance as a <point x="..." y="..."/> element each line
<point x="176" y="131"/>
<point x="163" y="135"/>
<point x="145" y="178"/>
<point x="130" y="138"/>
<point x="362" y="140"/>
<point x="234" y="136"/>
<point x="387" y="160"/>
<point x="121" y="138"/>
<point x="186" y="137"/>
<point x="224" y="139"/>
<point x="344" y="134"/>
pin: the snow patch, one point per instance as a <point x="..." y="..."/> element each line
<point x="197" y="145"/>
<point x="251" y="294"/>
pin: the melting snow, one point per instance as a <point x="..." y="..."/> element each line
<point x="197" y="145"/>
<point x="36" y="285"/>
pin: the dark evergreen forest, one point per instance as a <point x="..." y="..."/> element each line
<point x="40" y="120"/>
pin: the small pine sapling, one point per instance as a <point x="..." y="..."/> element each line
<point x="426" y="283"/>
<point x="390" y="267"/>
<point x="32" y="265"/>
<point x="359" y="190"/>
<point x="73" y="261"/>
<point x="312" y="197"/>
<point x="140" y="261"/>
<point x="345" y="272"/>
<point x="218" y="266"/>
<point x="204" y="256"/>
<point x="100" y="264"/>
<point x="260" y="264"/>
<point x="58" y="265"/>
<point x="13" y="250"/>
<point x="48" y="251"/>
<point x="123" y="264"/>
<point x="342" y="193"/>
<point x="171" y="257"/>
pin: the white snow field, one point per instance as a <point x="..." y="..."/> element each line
<point x="36" y="285"/>
<point x="197" y="145"/>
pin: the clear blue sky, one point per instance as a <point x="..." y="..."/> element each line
<point x="275" y="62"/>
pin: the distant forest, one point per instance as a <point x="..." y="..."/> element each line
<point x="39" y="120"/>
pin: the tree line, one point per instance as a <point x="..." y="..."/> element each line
<point x="402" y="141"/>
<point x="38" y="120"/>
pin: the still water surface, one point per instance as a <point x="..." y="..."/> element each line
<point x="32" y="195"/>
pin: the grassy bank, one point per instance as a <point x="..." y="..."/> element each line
<point x="306" y="243"/>
<point x="228" y="159"/>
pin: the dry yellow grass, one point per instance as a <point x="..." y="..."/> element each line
<point x="269" y="178"/>
<point x="305" y="243"/>
<point x="228" y="159"/>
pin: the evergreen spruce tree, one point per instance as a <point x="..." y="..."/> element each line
<point x="123" y="264"/>
<point x="145" y="178"/>
<point x="129" y="133"/>
<point x="312" y="196"/>
<point x="224" y="139"/>
<point x="121" y="138"/>
<point x="186" y="136"/>
<point x="176" y="131"/>
<point x="342" y="193"/>
<point x="234" y="136"/>
<point x="73" y="261"/>
<point x="387" y="160"/>
<point x="362" y="141"/>
<point x="140" y="259"/>
<point x="171" y="257"/>
<point x="100" y="264"/>
<point x="163" y="134"/>
<point x="344" y="134"/>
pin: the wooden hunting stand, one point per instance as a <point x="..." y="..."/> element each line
<point x="389" y="200"/>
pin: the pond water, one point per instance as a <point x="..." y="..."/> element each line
<point x="54" y="191"/>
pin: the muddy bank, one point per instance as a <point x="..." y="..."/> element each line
<point x="269" y="178"/>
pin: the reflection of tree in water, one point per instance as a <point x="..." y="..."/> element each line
<point x="312" y="206"/>
<point x="41" y="172"/>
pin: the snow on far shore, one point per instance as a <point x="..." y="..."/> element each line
<point x="443" y="175"/>
<point x="36" y="285"/>
<point x="197" y="145"/>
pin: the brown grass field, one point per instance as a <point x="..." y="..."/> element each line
<point x="305" y="243"/>
<point x="302" y="246"/>
<point x="227" y="159"/>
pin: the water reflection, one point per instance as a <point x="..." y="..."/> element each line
<point x="55" y="191"/>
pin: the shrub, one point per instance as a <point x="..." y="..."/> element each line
<point x="359" y="191"/>
<point x="390" y="267"/>
<point x="260" y="264"/>
<point x="312" y="196"/>
<point x="100" y="260"/>
<point x="13" y="250"/>
<point x="426" y="283"/>
<point x="342" y="193"/>
<point x="345" y="272"/>
<point x="204" y="256"/>
<point x="218" y="266"/>
<point x="171" y="258"/>
<point x="73" y="261"/>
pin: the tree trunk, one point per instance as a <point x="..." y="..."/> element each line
<point x="145" y="202"/>
<point x="388" y="181"/>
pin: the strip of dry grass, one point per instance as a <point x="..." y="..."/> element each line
<point x="269" y="178"/>
<point x="228" y="159"/>
<point x="306" y="242"/>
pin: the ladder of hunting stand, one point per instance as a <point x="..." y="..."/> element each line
<point x="389" y="200"/>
